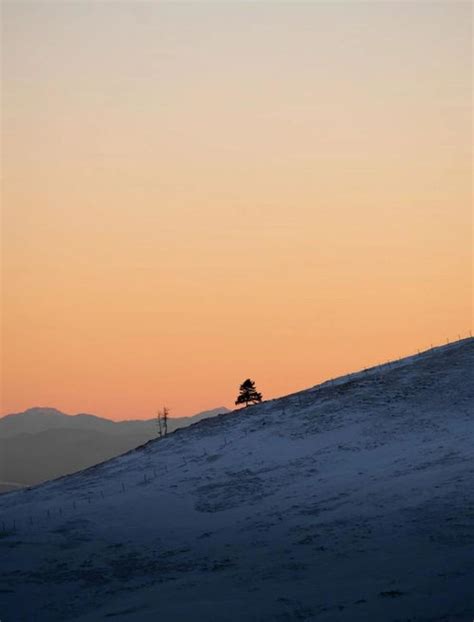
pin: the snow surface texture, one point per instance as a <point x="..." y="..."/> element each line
<point x="353" y="500"/>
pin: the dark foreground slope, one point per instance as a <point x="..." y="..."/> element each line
<point x="352" y="501"/>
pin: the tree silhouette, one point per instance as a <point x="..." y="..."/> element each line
<point x="162" y="421"/>
<point x="248" y="393"/>
<point x="166" y="413"/>
<point x="159" y="423"/>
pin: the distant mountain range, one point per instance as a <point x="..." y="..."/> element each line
<point x="44" y="443"/>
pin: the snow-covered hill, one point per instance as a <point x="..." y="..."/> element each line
<point x="351" y="501"/>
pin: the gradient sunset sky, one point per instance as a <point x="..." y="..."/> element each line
<point x="194" y="194"/>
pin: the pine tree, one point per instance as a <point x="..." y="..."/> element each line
<point x="248" y="393"/>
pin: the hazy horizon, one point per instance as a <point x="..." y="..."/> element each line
<point x="75" y="414"/>
<point x="194" y="194"/>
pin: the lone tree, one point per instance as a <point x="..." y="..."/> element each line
<point x="248" y="394"/>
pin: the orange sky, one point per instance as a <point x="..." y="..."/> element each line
<point x="198" y="193"/>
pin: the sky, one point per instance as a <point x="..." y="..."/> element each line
<point x="197" y="193"/>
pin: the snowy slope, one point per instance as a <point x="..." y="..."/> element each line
<point x="353" y="500"/>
